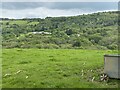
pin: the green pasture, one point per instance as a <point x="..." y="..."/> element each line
<point x="54" y="68"/>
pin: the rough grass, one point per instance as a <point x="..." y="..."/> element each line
<point x="19" y="22"/>
<point x="33" y="23"/>
<point x="45" y="68"/>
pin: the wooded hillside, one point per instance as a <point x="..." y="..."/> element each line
<point x="92" y="31"/>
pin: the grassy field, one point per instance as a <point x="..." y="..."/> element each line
<point x="52" y="68"/>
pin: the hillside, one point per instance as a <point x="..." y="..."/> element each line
<point x="92" y="31"/>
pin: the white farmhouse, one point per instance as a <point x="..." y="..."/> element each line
<point x="46" y="33"/>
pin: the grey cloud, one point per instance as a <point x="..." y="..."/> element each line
<point x="53" y="9"/>
<point x="20" y="5"/>
<point x="82" y="5"/>
<point x="60" y="5"/>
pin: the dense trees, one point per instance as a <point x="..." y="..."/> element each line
<point x="98" y="31"/>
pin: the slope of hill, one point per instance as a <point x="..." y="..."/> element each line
<point x="92" y="31"/>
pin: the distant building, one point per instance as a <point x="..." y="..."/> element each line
<point x="78" y="35"/>
<point x="47" y="33"/>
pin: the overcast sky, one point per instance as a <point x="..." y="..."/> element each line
<point x="53" y="9"/>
